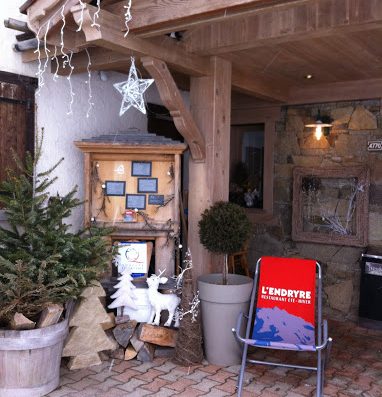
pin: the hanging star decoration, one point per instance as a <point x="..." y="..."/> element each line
<point x="132" y="90"/>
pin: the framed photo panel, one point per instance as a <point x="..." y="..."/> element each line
<point x="136" y="201"/>
<point x="156" y="199"/>
<point x="115" y="188"/>
<point x="147" y="185"/>
<point x="141" y="168"/>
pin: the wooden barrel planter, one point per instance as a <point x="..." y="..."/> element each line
<point x="30" y="360"/>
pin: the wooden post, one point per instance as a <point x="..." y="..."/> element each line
<point x="164" y="260"/>
<point x="210" y="98"/>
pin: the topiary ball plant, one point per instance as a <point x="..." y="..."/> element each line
<point x="223" y="229"/>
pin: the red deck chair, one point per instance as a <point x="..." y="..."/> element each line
<point x="283" y="306"/>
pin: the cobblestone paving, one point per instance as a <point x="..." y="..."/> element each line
<point x="355" y="370"/>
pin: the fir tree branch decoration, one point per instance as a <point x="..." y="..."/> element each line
<point x="41" y="260"/>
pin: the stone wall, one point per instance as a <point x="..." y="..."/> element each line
<point x="354" y="123"/>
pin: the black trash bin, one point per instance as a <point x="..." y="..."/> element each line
<point x="370" y="301"/>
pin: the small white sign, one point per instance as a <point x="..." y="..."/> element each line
<point x="374" y="146"/>
<point x="132" y="256"/>
<point x="120" y="169"/>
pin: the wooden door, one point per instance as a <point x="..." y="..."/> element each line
<point x="16" y="118"/>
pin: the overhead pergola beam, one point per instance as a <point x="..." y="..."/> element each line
<point x="155" y="17"/>
<point x="334" y="92"/>
<point x="48" y="13"/>
<point x="173" y="101"/>
<point x="110" y="37"/>
<point x="302" y="21"/>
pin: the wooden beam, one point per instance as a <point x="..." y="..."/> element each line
<point x="29" y="44"/>
<point x="15" y="24"/>
<point x="312" y="19"/>
<point x="165" y="49"/>
<point x="334" y="92"/>
<point x="172" y="99"/>
<point x="247" y="83"/>
<point x="210" y="106"/>
<point x="152" y="18"/>
<point x="101" y="59"/>
<point x="42" y="13"/>
<point x="111" y="37"/>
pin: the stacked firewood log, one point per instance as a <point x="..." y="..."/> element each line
<point x="142" y="341"/>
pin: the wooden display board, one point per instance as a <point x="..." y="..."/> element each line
<point x="132" y="183"/>
<point x="116" y="190"/>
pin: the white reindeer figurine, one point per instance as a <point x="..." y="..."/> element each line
<point x="161" y="302"/>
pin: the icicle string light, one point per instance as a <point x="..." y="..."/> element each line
<point x="70" y="83"/>
<point x="64" y="54"/>
<point x="54" y="58"/>
<point x="128" y="17"/>
<point x="81" y="17"/>
<point x="88" y="81"/>
<point x="96" y="15"/>
<point x="39" y="69"/>
<point x="46" y="51"/>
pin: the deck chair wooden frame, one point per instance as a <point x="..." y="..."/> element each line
<point x="321" y="346"/>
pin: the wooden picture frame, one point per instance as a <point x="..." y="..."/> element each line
<point x="147" y="185"/>
<point x="115" y="188"/>
<point x="137" y="201"/>
<point x="330" y="206"/>
<point x="141" y="168"/>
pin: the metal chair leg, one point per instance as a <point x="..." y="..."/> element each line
<point x="319" y="374"/>
<point x="240" y="379"/>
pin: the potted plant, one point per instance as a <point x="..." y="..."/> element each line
<point x="42" y="263"/>
<point x="223" y="229"/>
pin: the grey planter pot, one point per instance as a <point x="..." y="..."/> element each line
<point x="30" y="360"/>
<point x="220" y="306"/>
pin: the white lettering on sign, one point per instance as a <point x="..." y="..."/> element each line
<point x="374" y="146"/>
<point x="286" y="295"/>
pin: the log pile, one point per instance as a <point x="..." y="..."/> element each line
<point x="49" y="316"/>
<point x="143" y="341"/>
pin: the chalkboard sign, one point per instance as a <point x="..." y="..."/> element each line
<point x="141" y="168"/>
<point x="147" y="185"/>
<point x="115" y="188"/>
<point x="156" y="199"/>
<point x="136" y="201"/>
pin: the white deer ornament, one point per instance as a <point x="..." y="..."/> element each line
<point x="161" y="302"/>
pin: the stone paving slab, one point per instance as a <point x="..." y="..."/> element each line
<point x="355" y="370"/>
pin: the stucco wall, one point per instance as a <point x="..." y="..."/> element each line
<point x="52" y="107"/>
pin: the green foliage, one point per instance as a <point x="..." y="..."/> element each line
<point x="224" y="227"/>
<point x="41" y="260"/>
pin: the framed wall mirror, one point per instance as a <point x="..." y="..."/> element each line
<point x="330" y="206"/>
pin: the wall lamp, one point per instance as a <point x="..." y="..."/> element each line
<point x="322" y="126"/>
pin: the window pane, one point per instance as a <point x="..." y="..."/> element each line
<point x="247" y="165"/>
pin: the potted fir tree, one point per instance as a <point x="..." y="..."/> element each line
<point x="223" y="229"/>
<point x="42" y="264"/>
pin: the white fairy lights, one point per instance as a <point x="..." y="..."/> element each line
<point x="128" y="17"/>
<point x="54" y="58"/>
<point x="96" y="15"/>
<point x="81" y="17"/>
<point x="88" y="81"/>
<point x="132" y="90"/>
<point x="70" y="111"/>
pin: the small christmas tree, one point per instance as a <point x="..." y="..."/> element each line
<point x="41" y="261"/>
<point x="87" y="336"/>
<point x="124" y="296"/>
